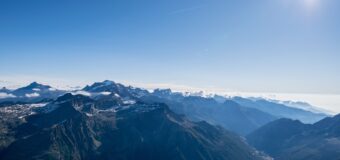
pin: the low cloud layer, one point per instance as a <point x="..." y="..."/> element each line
<point x="32" y="95"/>
<point x="6" y="95"/>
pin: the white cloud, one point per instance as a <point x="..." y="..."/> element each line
<point x="32" y="95"/>
<point x="5" y="95"/>
<point x="329" y="102"/>
<point x="81" y="93"/>
<point x="52" y="89"/>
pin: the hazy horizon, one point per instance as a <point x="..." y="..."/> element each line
<point x="328" y="102"/>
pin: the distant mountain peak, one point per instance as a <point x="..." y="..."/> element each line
<point x="34" y="83"/>
<point x="108" y="82"/>
<point x="34" y="90"/>
<point x="162" y="91"/>
<point x="37" y="85"/>
<point x="106" y="85"/>
<point x="4" y="89"/>
<point x="65" y="97"/>
<point x="70" y="96"/>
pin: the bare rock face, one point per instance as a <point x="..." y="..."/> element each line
<point x="77" y="127"/>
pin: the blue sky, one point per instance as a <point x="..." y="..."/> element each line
<point x="280" y="46"/>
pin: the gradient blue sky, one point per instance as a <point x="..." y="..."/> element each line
<point x="281" y="46"/>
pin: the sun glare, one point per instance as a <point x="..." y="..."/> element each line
<point x="311" y="4"/>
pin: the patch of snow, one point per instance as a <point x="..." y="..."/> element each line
<point x="195" y="94"/>
<point x="6" y="95"/>
<point x="103" y="84"/>
<point x="32" y="95"/>
<point x="37" y="105"/>
<point x="89" y="115"/>
<point x="22" y="110"/>
<point x="129" y="102"/>
<point x="36" y="89"/>
<point x="116" y="95"/>
<point x="105" y="93"/>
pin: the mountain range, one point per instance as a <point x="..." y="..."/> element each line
<point x="227" y="114"/>
<point x="291" y="139"/>
<point x="281" y="110"/>
<point x="31" y="92"/>
<point x="77" y="127"/>
<point x="237" y="114"/>
<point x="108" y="120"/>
